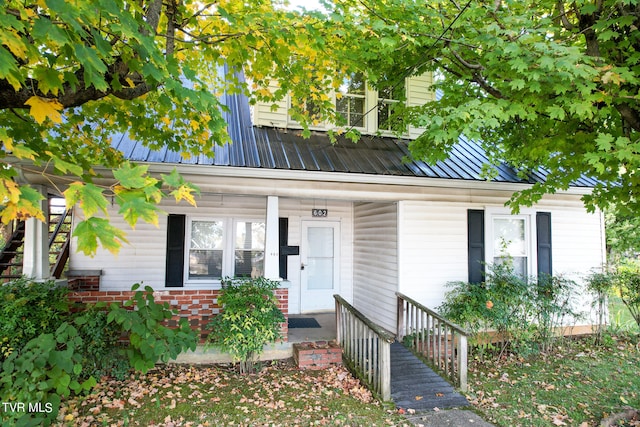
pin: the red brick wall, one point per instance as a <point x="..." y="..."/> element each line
<point x="84" y="283"/>
<point x="197" y="306"/>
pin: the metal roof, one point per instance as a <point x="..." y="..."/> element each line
<point x="286" y="149"/>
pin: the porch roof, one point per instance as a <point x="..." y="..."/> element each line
<point x="286" y="149"/>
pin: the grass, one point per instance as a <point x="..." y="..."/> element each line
<point x="280" y="395"/>
<point x="576" y="384"/>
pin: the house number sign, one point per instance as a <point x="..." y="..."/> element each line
<point x="322" y="213"/>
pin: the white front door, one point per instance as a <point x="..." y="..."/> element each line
<point x="319" y="269"/>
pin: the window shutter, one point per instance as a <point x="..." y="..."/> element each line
<point x="174" y="272"/>
<point x="543" y="233"/>
<point x="475" y="233"/>
<point x="283" y="237"/>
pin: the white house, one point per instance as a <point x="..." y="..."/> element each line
<point x="361" y="220"/>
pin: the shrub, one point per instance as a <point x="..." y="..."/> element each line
<point x="72" y="348"/>
<point x="48" y="368"/>
<point x="150" y="340"/>
<point x="628" y="288"/>
<point x="28" y="309"/>
<point x="601" y="284"/>
<point x="250" y="319"/>
<point x="510" y="310"/>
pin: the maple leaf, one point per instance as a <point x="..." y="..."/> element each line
<point x="43" y="108"/>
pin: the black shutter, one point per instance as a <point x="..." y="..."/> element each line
<point x="543" y="233"/>
<point x="174" y="272"/>
<point x="283" y="237"/>
<point x="475" y="233"/>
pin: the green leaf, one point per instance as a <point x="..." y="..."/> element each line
<point x="131" y="176"/>
<point x="89" y="196"/>
<point x="92" y="230"/>
<point x="134" y="205"/>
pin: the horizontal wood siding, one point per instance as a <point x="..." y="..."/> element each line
<point x="433" y="244"/>
<point x="375" y="272"/>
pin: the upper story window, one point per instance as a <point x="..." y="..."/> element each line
<point x="351" y="101"/>
<point x="357" y="104"/>
<point x="388" y="98"/>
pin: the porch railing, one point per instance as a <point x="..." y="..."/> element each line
<point x="441" y="342"/>
<point x="366" y="347"/>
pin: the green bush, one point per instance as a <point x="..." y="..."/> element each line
<point x="627" y="286"/>
<point x="250" y="319"/>
<point x="101" y="349"/>
<point x="150" y="340"/>
<point x="510" y="311"/>
<point x="28" y="309"/>
<point x="46" y="369"/>
<point x="72" y="348"/>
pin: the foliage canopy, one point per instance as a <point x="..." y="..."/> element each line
<point x="551" y="84"/>
<point x="75" y="74"/>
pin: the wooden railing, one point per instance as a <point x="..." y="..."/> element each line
<point x="441" y="342"/>
<point x="366" y="347"/>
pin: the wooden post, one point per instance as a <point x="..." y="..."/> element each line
<point x="338" y="323"/>
<point x="462" y="361"/>
<point x="385" y="370"/>
<point x="400" y="318"/>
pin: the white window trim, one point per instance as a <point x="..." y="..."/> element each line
<point x="228" y="249"/>
<point x="529" y="216"/>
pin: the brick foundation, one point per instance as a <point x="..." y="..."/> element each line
<point x="317" y="355"/>
<point x="197" y="306"/>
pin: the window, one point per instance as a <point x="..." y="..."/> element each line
<point x="510" y="243"/>
<point x="206" y="250"/>
<point x="249" y="249"/>
<point x="351" y="101"/>
<point x="223" y="247"/>
<point x="494" y="235"/>
<point x="388" y="98"/>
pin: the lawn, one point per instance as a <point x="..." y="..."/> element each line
<point x="577" y="384"/>
<point x="280" y="395"/>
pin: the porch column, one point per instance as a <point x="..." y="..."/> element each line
<point x="271" y="241"/>
<point x="35" y="262"/>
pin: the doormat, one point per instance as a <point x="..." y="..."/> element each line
<point x="303" y="322"/>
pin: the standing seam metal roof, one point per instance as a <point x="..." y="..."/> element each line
<point x="272" y="148"/>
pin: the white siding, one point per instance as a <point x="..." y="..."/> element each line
<point x="419" y="92"/>
<point x="433" y="249"/>
<point x="143" y="258"/>
<point x="272" y="114"/>
<point x="376" y="262"/>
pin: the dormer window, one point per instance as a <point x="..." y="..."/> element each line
<point x="359" y="105"/>
<point x="351" y="101"/>
<point x="388" y="98"/>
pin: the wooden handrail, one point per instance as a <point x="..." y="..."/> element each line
<point x="441" y="342"/>
<point x="366" y="347"/>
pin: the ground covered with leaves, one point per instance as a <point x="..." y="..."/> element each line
<point x="279" y="395"/>
<point x="576" y="384"/>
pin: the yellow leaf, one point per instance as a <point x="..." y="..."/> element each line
<point x="14" y="42"/>
<point x="41" y="108"/>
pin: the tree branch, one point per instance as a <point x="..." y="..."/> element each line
<point x="630" y="115"/>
